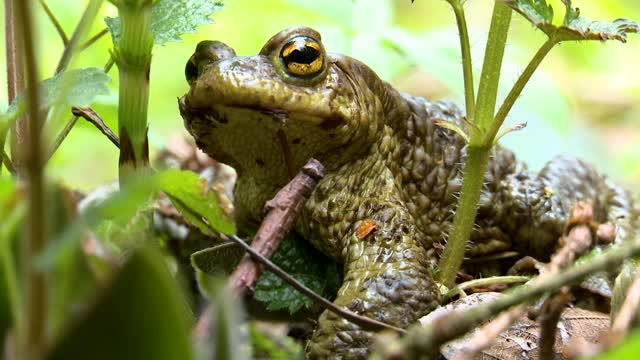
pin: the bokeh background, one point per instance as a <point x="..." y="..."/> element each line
<point x="584" y="100"/>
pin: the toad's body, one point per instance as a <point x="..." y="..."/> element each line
<point x="386" y="164"/>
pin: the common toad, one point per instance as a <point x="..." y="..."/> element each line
<point x="392" y="176"/>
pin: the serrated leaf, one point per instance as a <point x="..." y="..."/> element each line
<point x="574" y="27"/>
<point x="76" y="87"/>
<point x="307" y="265"/>
<point x="145" y="298"/>
<point x="172" y="18"/>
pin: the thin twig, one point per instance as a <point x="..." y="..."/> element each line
<point x="629" y="310"/>
<point x="281" y="212"/>
<point x="6" y="160"/>
<point x="94" y="38"/>
<point x="91" y="116"/>
<point x="550" y="315"/>
<point x="36" y="289"/>
<point x="55" y="22"/>
<point x="363" y="321"/>
<point x="496" y="280"/>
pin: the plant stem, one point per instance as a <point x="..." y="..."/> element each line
<point x="477" y="153"/>
<point x="90" y="13"/>
<point x="515" y="92"/>
<point x="55" y="22"/>
<point x="36" y="289"/>
<point x="15" y="78"/>
<point x="467" y="61"/>
<point x="490" y="77"/>
<point x="133" y="57"/>
<point x="475" y="167"/>
<point x="94" y="38"/>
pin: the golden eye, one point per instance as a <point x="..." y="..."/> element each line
<point x="302" y="56"/>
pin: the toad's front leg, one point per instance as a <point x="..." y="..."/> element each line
<point x="387" y="278"/>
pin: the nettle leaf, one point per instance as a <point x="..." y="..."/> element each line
<point x="76" y="87"/>
<point x="172" y="18"/>
<point x="574" y="27"/>
<point x="307" y="265"/>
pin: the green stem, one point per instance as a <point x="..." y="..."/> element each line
<point x="36" y="288"/>
<point x="515" y="92"/>
<point x="467" y="61"/>
<point x="477" y="153"/>
<point x="133" y="57"/>
<point x="490" y="77"/>
<point x="55" y="22"/>
<point x="90" y="13"/>
<point x="475" y="167"/>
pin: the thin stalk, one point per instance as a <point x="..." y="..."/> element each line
<point x="90" y="13"/>
<point x="515" y="92"/>
<point x="475" y="168"/>
<point x="467" y="61"/>
<point x="477" y="153"/>
<point x="8" y="163"/>
<point x="94" y="38"/>
<point x="55" y="22"/>
<point x="490" y="77"/>
<point x="15" y="78"/>
<point x="36" y="289"/>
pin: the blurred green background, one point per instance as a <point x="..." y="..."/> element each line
<point x="584" y="100"/>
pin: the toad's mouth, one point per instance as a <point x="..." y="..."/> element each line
<point x="281" y="116"/>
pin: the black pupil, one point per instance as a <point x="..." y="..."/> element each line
<point x="302" y="55"/>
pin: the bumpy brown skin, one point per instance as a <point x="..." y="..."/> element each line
<point x="385" y="162"/>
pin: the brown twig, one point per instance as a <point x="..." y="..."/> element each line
<point x="73" y="119"/>
<point x="629" y="310"/>
<point x="550" y="315"/>
<point x="55" y="22"/>
<point x="281" y="212"/>
<point x="91" y="116"/>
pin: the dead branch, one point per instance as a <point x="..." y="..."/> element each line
<point x="91" y="116"/>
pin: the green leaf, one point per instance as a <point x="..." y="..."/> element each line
<point x="172" y="18"/>
<point x="199" y="205"/>
<point x="141" y="316"/>
<point x="124" y="207"/>
<point x="307" y="265"/>
<point x="574" y="27"/>
<point x="76" y="87"/>
<point x="220" y="259"/>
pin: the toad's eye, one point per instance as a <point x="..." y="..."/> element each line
<point x="302" y="57"/>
